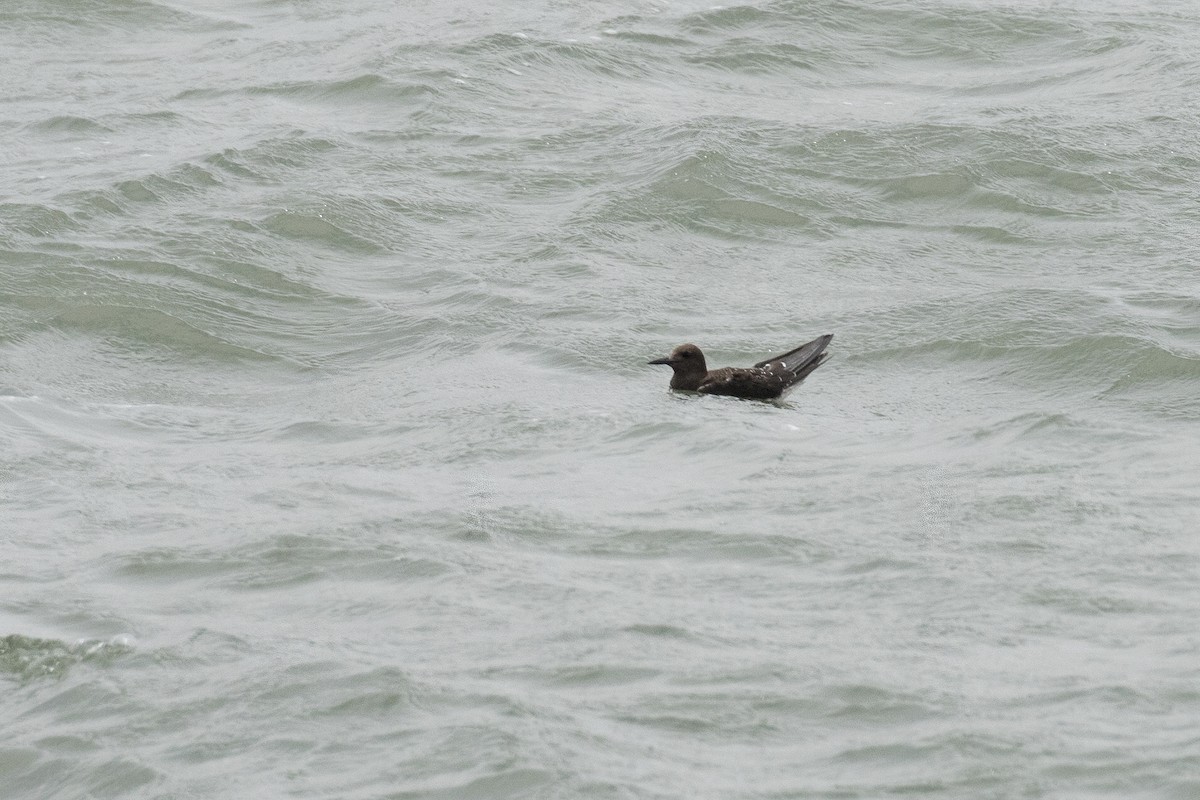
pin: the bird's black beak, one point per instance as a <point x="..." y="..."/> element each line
<point x="663" y="360"/>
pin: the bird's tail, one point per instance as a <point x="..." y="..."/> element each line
<point x="804" y="359"/>
<point x="804" y="371"/>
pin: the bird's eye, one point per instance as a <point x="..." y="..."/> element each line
<point x="685" y="354"/>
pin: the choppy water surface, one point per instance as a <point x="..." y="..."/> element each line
<point x="330" y="466"/>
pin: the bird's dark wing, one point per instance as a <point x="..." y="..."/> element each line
<point x="803" y="372"/>
<point x="754" y="383"/>
<point x="801" y="357"/>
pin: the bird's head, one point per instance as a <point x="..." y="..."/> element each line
<point x="688" y="363"/>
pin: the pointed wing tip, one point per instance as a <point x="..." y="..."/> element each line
<point x="806" y="352"/>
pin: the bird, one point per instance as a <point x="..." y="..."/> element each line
<point x="767" y="380"/>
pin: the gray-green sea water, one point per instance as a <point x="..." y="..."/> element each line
<point x="330" y="465"/>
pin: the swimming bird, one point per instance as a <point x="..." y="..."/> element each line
<point x="766" y="380"/>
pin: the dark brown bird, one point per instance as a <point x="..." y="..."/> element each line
<point x="766" y="380"/>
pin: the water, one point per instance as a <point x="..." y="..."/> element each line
<point x="331" y="467"/>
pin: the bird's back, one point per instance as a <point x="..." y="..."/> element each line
<point x="753" y="382"/>
<point x="770" y="378"/>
